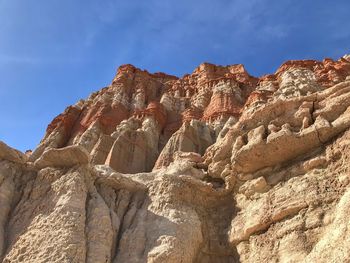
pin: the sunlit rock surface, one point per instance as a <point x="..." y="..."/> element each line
<point x="215" y="166"/>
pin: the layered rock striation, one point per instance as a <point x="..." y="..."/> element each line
<point x="216" y="166"/>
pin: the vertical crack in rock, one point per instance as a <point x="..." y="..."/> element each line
<point x="216" y="220"/>
<point x="127" y="220"/>
<point x="122" y="213"/>
<point x="99" y="230"/>
<point x="6" y="198"/>
<point x="312" y="110"/>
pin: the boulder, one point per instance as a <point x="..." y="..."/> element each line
<point x="10" y="154"/>
<point x="63" y="157"/>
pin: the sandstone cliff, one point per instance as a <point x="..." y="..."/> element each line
<point x="216" y="166"/>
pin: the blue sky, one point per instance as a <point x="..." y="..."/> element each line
<point x="54" y="52"/>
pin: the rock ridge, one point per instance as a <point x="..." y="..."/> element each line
<point x="216" y="166"/>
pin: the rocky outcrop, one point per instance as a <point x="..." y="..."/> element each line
<point x="135" y="148"/>
<point x="63" y="157"/>
<point x="281" y="144"/>
<point x="7" y="153"/>
<point x="193" y="136"/>
<point x="216" y="166"/>
<point x="291" y="220"/>
<point x="212" y="93"/>
<point x="6" y="197"/>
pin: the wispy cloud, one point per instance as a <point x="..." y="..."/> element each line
<point x="6" y="59"/>
<point x="15" y="59"/>
<point x="272" y="32"/>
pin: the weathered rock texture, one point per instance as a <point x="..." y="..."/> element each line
<point x="216" y="166"/>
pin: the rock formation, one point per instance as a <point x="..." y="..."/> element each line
<point x="216" y="166"/>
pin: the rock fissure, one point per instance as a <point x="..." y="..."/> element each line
<point x="87" y="214"/>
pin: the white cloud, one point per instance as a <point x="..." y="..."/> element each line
<point x="274" y="31"/>
<point x="6" y="59"/>
<point x="17" y="59"/>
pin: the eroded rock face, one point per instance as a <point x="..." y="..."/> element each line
<point x="193" y="136"/>
<point x="135" y="148"/>
<point x="63" y="157"/>
<point x="211" y="93"/>
<point x="216" y="166"/>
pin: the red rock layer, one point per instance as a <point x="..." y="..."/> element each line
<point x="64" y="121"/>
<point x="328" y="72"/>
<point x="154" y="109"/>
<point x="257" y="95"/>
<point x="209" y="75"/>
<point x="222" y="105"/>
<point x="136" y="92"/>
<point x="191" y="114"/>
<point x="108" y="116"/>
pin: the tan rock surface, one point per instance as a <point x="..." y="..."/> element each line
<point x="213" y="167"/>
<point x="10" y="154"/>
<point x="63" y="157"/>
<point x="194" y="136"/>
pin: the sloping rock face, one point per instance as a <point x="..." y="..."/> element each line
<point x="216" y="166"/>
<point x="144" y="110"/>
